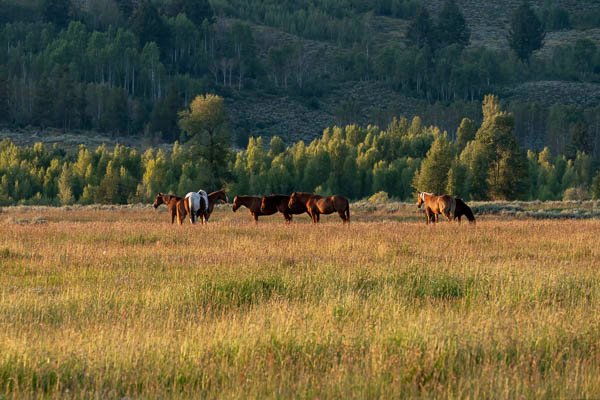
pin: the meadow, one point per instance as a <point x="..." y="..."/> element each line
<point x="113" y="302"/>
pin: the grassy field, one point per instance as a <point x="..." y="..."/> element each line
<point x="101" y="303"/>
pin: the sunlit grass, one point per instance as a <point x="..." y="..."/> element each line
<point x="99" y="303"/>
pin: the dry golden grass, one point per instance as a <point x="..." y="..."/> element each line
<point x="107" y="304"/>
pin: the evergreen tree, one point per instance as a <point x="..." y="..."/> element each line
<point x="580" y="140"/>
<point x="196" y="10"/>
<point x="507" y="163"/>
<point x="526" y="33"/>
<point x="421" y="31"/>
<point x="452" y="27"/>
<point x="57" y="12"/>
<point x="127" y="7"/>
<point x="148" y="25"/>
<point x="43" y="104"/>
<point x="163" y="118"/>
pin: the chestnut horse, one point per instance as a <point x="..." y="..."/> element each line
<point x="317" y="205"/>
<point x="173" y="203"/>
<point x="252" y="203"/>
<point x="278" y="202"/>
<point x="463" y="209"/>
<point x="213" y="198"/>
<point x="435" y="205"/>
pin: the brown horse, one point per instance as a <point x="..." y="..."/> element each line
<point x="463" y="209"/>
<point x="317" y="205"/>
<point x="173" y="203"/>
<point x="204" y="213"/>
<point x="278" y="202"/>
<point x="435" y="205"/>
<point x="252" y="203"/>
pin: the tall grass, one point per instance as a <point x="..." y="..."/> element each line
<point x="108" y="304"/>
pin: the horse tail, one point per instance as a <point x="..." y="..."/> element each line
<point x="347" y="211"/>
<point x="190" y="204"/>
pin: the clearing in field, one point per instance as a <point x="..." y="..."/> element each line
<point x="113" y="303"/>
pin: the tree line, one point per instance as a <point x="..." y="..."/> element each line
<point x="482" y="162"/>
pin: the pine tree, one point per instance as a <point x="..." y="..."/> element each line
<point x="452" y="27"/>
<point x="57" y="12"/>
<point x="196" y="10"/>
<point x="421" y="30"/>
<point x="526" y="32"/>
<point x="507" y="163"/>
<point x="43" y="104"/>
<point x="148" y="25"/>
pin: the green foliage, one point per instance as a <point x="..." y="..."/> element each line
<point x="526" y="32"/>
<point x="421" y="31"/>
<point x="205" y="124"/>
<point x="452" y="27"/>
<point x="57" y="12"/>
<point x="433" y="175"/>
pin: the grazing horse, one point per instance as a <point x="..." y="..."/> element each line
<point x="252" y="203"/>
<point x="463" y="209"/>
<point x="435" y="205"/>
<point x="173" y="203"/>
<point x="278" y="202"/>
<point x="317" y="205"/>
<point x="195" y="204"/>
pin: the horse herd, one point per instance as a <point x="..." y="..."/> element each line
<point x="200" y="205"/>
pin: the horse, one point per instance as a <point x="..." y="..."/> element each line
<point x="463" y="209"/>
<point x="218" y="196"/>
<point x="196" y="203"/>
<point x="204" y="212"/>
<point x="435" y="205"/>
<point x="317" y="205"/>
<point x="253" y="204"/>
<point x="278" y="202"/>
<point x="173" y="203"/>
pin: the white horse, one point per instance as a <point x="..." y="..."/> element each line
<point x="195" y="202"/>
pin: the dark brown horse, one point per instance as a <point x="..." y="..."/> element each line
<point x="174" y="204"/>
<point x="435" y="205"/>
<point x="252" y="203"/>
<point x="317" y="205"/>
<point x="278" y="202"/>
<point x="463" y="209"/>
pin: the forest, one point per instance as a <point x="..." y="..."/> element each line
<point x="482" y="163"/>
<point x="129" y="68"/>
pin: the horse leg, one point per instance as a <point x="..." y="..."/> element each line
<point x="342" y="215"/>
<point x="288" y="218"/>
<point x="255" y="216"/>
<point x="427" y="215"/>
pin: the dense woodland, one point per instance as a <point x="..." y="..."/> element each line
<point x="129" y="67"/>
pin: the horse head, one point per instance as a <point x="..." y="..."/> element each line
<point x="158" y="200"/>
<point x="236" y="204"/>
<point x="219" y="195"/>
